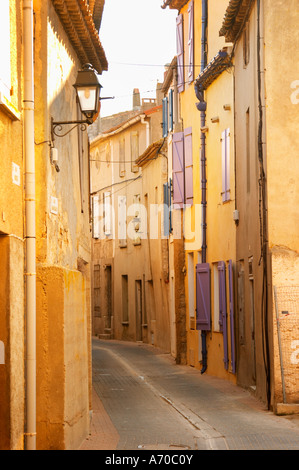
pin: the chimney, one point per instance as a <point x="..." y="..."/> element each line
<point x="136" y="99"/>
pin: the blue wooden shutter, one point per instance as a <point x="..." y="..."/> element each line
<point x="180" y="52"/>
<point x="178" y="169"/>
<point x="188" y="152"/>
<point x="225" y="141"/>
<point x="203" y="297"/>
<point x="223" y="310"/>
<point x="191" y="41"/>
<point x="232" y="321"/>
<point x="165" y="116"/>
<point x="170" y="101"/>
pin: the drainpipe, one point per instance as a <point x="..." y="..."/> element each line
<point x="202" y="106"/>
<point x="30" y="262"/>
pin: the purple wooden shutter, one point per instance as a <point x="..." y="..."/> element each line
<point x="180" y="52"/>
<point x="191" y="41"/>
<point x="222" y="310"/>
<point x="232" y="322"/>
<point x="203" y="297"/>
<point x="178" y="169"/>
<point x="188" y="152"/>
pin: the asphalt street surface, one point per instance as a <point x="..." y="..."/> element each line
<point x="151" y="403"/>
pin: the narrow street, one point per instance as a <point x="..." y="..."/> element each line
<point x="144" y="401"/>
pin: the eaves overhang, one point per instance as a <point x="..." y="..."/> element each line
<point x="169" y="75"/>
<point x="79" y="24"/>
<point x="96" y="7"/>
<point x="151" y="152"/>
<point x="174" y="4"/>
<point x="235" y="18"/>
<point x="211" y="72"/>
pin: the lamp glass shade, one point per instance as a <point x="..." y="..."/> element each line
<point x="89" y="99"/>
<point x="88" y="90"/>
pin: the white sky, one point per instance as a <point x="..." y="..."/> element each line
<point x="137" y="32"/>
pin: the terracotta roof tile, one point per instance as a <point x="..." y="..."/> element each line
<point x="78" y="22"/>
<point x="235" y="16"/>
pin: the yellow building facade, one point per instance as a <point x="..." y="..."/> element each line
<point x="207" y="113"/>
<point x="49" y="173"/>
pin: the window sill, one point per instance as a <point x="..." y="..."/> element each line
<point x="8" y="108"/>
<point x="125" y="323"/>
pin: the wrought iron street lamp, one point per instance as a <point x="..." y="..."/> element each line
<point x="88" y="89"/>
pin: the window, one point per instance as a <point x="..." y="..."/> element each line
<point x="125" y="299"/>
<point x="170" y="110"/>
<point x="167" y="105"/>
<point x="96" y="291"/>
<point x="180" y="52"/>
<point x="203" y="297"/>
<point x="216" y="324"/>
<point x="182" y="164"/>
<point x="122" y="221"/>
<point x="167" y="216"/>
<point x="107" y="216"/>
<point x="191" y="42"/>
<point x="246" y="45"/>
<point x="137" y="221"/>
<point x="191" y="290"/>
<point x="248" y="149"/>
<point x="96" y="229"/>
<point x="165" y="116"/>
<point x="134" y="151"/>
<point x="5" y="74"/>
<point x="122" y="164"/>
<point x="225" y="142"/>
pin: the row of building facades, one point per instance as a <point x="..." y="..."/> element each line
<point x="194" y="197"/>
<point x="174" y="223"/>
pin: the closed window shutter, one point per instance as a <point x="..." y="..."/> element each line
<point x="96" y="217"/>
<point x="188" y="153"/>
<point x="122" y="220"/>
<point x="178" y="169"/>
<point x="191" y="42"/>
<point x="225" y="143"/>
<point x="134" y="151"/>
<point x="203" y="297"/>
<point x="107" y="214"/>
<point x="170" y="105"/>
<point x="180" y="52"/>
<point x="232" y="319"/>
<point x="165" y="116"/>
<point x="223" y="310"/>
<point x="166" y="209"/>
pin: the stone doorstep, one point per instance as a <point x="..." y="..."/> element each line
<point x="287" y="408"/>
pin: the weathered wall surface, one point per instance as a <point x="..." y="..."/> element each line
<point x="11" y="246"/>
<point x="63" y="244"/>
<point x="282" y="106"/>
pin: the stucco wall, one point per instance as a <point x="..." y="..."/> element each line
<point x="282" y="117"/>
<point x="63" y="244"/>
<point x="11" y="247"/>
